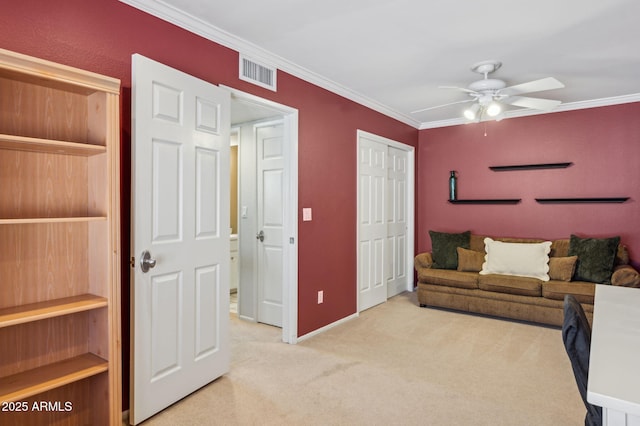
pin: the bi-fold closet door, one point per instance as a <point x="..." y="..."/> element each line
<point x="385" y="219"/>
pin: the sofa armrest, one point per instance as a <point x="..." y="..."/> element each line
<point x="423" y="260"/>
<point x="625" y="276"/>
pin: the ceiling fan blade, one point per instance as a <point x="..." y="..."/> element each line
<point x="457" y="88"/>
<point x="534" y="103"/>
<point x="548" y="83"/>
<point x="441" y="106"/>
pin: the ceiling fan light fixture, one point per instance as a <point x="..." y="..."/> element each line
<point x="471" y="112"/>
<point x="490" y="96"/>
<point x="494" y="109"/>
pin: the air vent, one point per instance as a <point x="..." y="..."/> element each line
<point x="256" y="73"/>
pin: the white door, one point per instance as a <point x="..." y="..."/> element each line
<point x="372" y="224"/>
<point x="180" y="197"/>
<point x="270" y="176"/>
<point x="397" y="224"/>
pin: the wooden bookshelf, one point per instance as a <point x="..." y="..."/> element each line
<point x="60" y="240"/>
<point x="19" y="221"/>
<point x="50" y="308"/>
<point x="38" y="380"/>
<point x="23" y="143"/>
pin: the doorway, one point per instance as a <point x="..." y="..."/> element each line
<point x="385" y="215"/>
<point x="250" y="115"/>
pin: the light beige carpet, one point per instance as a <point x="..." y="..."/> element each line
<point x="396" y="364"/>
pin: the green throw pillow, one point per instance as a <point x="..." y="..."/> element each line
<point x="595" y="258"/>
<point x="444" y="248"/>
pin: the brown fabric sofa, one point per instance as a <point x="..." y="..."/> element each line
<point x="520" y="298"/>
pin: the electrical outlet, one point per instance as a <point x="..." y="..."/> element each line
<point x="320" y="297"/>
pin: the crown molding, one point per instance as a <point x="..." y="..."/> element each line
<point x="168" y="13"/>
<point x="162" y="10"/>
<point x="595" y="103"/>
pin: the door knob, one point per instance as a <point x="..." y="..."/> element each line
<point x="260" y="236"/>
<point x="146" y="262"/>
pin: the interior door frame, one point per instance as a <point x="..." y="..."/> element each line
<point x="410" y="247"/>
<point x="290" y="233"/>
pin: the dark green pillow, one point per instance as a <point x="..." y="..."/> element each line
<point x="444" y="248"/>
<point x="595" y="258"/>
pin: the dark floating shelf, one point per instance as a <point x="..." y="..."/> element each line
<point x="580" y="200"/>
<point x="530" y="167"/>
<point x="489" y="201"/>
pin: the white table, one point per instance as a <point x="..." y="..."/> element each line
<point x="614" y="366"/>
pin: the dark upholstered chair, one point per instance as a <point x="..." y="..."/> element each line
<point x="576" y="334"/>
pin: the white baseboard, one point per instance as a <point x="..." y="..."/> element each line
<point x="246" y="318"/>
<point x="327" y="327"/>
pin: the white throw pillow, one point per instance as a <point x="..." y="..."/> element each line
<point x="521" y="259"/>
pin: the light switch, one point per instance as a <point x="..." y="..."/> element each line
<point x="306" y="214"/>
<point x="244" y="212"/>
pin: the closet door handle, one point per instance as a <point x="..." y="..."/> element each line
<point x="260" y="236"/>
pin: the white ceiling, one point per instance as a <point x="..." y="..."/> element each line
<point x="392" y="55"/>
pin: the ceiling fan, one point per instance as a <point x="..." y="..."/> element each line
<point x="489" y="94"/>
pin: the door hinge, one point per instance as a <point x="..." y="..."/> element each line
<point x="132" y="262"/>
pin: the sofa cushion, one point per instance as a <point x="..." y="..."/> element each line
<point x="625" y="276"/>
<point x="596" y="257"/>
<point x="559" y="248"/>
<point x="470" y="260"/>
<point x="521" y="259"/>
<point x="449" y="278"/>
<point x="510" y="284"/>
<point x="520" y="240"/>
<point x="622" y="255"/>
<point x="583" y="291"/>
<point x="443" y="248"/>
<point x="476" y="243"/>
<point x="423" y="260"/>
<point x="562" y="268"/>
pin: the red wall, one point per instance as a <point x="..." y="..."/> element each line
<point x="101" y="35"/>
<point x="603" y="144"/>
